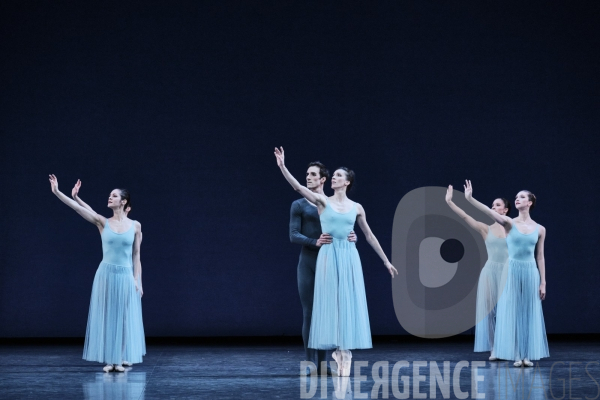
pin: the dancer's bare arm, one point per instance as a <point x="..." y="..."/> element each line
<point x="506" y="222"/>
<point x="476" y="225"/>
<point x="137" y="263"/>
<point x="88" y="215"/>
<point x="361" y="218"/>
<point x="313" y="197"/>
<point x="75" y="196"/>
<point x="541" y="262"/>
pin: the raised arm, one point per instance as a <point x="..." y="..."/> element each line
<point x="476" y="225"/>
<point x="541" y="262"/>
<point x="313" y="197"/>
<point x="137" y="263"/>
<point x="75" y="196"/>
<point x="501" y="219"/>
<point x="361" y="218"/>
<point x="89" y="216"/>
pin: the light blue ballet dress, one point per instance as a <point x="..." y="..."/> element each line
<point x="488" y="291"/>
<point x="115" y="331"/>
<point x="340" y="318"/>
<point x="520" y="329"/>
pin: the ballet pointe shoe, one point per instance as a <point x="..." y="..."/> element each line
<point x="108" y="368"/>
<point x="346" y="362"/>
<point x="493" y="356"/>
<point x="337" y="356"/>
<point x="518" y="363"/>
<point x="119" y="368"/>
<point x="126" y="363"/>
<point x="527" y="363"/>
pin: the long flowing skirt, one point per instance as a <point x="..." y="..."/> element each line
<point x="340" y="318"/>
<point x="115" y="331"/>
<point x="488" y="290"/>
<point x="520" y="328"/>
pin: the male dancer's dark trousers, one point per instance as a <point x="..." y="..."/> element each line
<point x="306" y="287"/>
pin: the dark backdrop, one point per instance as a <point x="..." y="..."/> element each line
<point x="183" y="103"/>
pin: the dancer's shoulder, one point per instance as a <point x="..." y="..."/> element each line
<point x="299" y="204"/>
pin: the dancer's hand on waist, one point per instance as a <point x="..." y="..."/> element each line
<point x="325" y="238"/>
<point x="352" y="237"/>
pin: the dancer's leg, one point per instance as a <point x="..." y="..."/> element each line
<point x="306" y="289"/>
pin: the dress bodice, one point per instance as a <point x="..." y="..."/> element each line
<point x="338" y="225"/>
<point x="117" y="247"/>
<point x="497" y="248"/>
<point x="521" y="246"/>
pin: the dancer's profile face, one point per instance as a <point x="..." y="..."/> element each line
<point x="339" y="180"/>
<point x="313" y="177"/>
<point x="522" y="201"/>
<point x="499" y="207"/>
<point x="114" y="200"/>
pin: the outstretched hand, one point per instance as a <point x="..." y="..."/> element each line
<point x="391" y="269"/>
<point x="449" y="194"/>
<point x="54" y="183"/>
<point x="468" y="190"/>
<point x="280" y="157"/>
<point x="75" y="190"/>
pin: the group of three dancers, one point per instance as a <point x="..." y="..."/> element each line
<point x="330" y="279"/>
<point x="340" y="318"/>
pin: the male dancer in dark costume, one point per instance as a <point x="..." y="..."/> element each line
<point x="305" y="230"/>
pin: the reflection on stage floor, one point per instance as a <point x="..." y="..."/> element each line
<point x="394" y="368"/>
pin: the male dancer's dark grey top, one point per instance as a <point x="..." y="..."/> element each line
<point x="305" y="229"/>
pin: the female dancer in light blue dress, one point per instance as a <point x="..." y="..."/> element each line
<point x="115" y="331"/>
<point x="340" y="318"/>
<point x="490" y="283"/>
<point x="520" y="329"/>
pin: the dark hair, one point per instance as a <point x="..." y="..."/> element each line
<point x="125" y="196"/>
<point x="323" y="172"/>
<point x="506" y="205"/>
<point x="350" y="177"/>
<point x="531" y="198"/>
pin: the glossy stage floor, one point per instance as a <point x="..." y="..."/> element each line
<point x="269" y="369"/>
